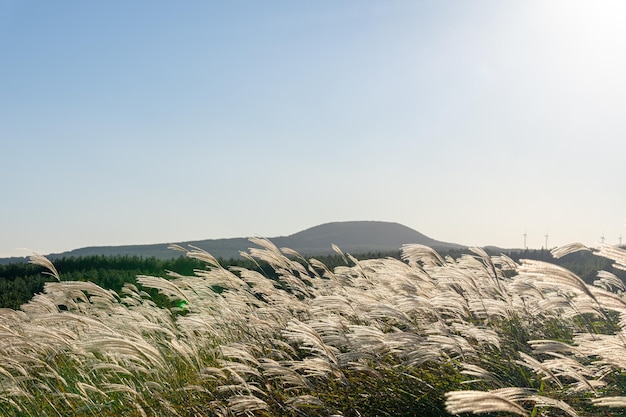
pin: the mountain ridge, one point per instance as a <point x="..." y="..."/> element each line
<point x="350" y="236"/>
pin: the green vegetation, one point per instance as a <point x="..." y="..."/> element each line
<point x="20" y="281"/>
<point x="280" y="335"/>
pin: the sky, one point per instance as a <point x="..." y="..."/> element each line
<point x="135" y="122"/>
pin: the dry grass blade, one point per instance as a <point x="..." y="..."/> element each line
<point x="542" y="401"/>
<point x="480" y="373"/>
<point x="246" y="404"/>
<point x="139" y="351"/>
<point x="609" y="401"/>
<point x="477" y="402"/>
<point x="315" y="367"/>
<point x="238" y="352"/>
<point x="554" y="275"/>
<point x="289" y="378"/>
<point x="305" y="401"/>
<point x="176" y="247"/>
<point x="567" y="249"/>
<point x="416" y="253"/>
<point x="66" y="288"/>
<point x="615" y="254"/>
<point x="167" y="288"/>
<point x="291" y="252"/>
<point x="203" y="256"/>
<point x="488" y="262"/>
<point x="538" y="367"/>
<point x="609" y="281"/>
<point x="41" y="260"/>
<point x="305" y="334"/>
<point x="340" y="253"/>
<point x="552" y="346"/>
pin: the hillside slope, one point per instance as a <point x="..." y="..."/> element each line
<point x="357" y="237"/>
<point x="352" y="237"/>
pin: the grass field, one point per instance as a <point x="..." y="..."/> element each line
<point x="424" y="335"/>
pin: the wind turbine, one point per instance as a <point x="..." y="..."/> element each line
<point x="546" y="236"/>
<point x="602" y="238"/>
<point x="620" y="241"/>
<point x="525" y="240"/>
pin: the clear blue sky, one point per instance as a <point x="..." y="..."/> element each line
<point x="127" y="122"/>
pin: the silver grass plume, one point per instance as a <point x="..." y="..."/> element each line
<point x="539" y="368"/>
<point x="609" y="401"/>
<point x="340" y="252"/>
<point x="197" y="253"/>
<point x="246" y="404"/>
<point x="166" y="287"/>
<point x="416" y="253"/>
<point x="618" y="255"/>
<point x="41" y="260"/>
<point x="554" y="275"/>
<point x="609" y="282"/>
<point x="567" y="249"/>
<point x="302" y="333"/>
<point x="501" y="400"/>
<point x="481" y="374"/>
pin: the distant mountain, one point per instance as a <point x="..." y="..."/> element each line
<point x="357" y="237"/>
<point x="352" y="237"/>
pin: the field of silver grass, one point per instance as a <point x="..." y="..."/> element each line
<point x="423" y="336"/>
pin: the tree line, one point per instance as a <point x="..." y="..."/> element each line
<point x="20" y="281"/>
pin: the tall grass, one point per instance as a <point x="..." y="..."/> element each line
<point x="424" y="335"/>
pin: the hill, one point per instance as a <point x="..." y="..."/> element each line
<point x="357" y="237"/>
<point x="352" y="237"/>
